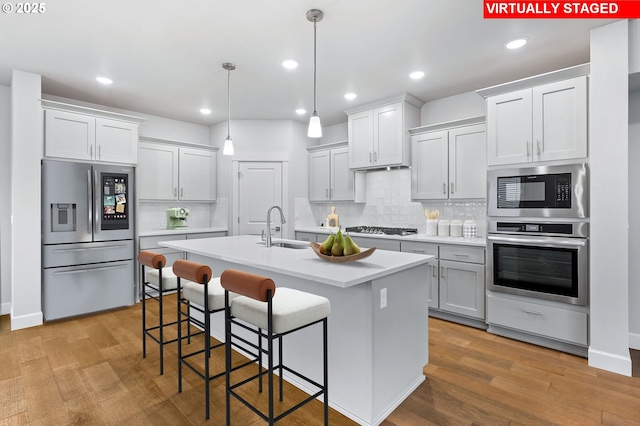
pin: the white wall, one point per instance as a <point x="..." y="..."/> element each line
<point x="609" y="256"/>
<point x="252" y="139"/>
<point x="5" y="194"/>
<point x="464" y="105"/>
<point x="336" y="133"/>
<point x="26" y="136"/>
<point x="634" y="222"/>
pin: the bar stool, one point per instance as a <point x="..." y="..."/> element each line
<point x="193" y="282"/>
<point x="279" y="313"/>
<point x="157" y="282"/>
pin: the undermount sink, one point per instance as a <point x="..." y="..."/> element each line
<point x="292" y="244"/>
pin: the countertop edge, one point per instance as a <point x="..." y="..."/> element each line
<point x="162" y="232"/>
<point x="478" y="242"/>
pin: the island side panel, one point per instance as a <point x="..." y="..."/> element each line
<point x="350" y="346"/>
<point x="400" y="338"/>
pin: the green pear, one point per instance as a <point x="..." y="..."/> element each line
<point x="327" y="245"/>
<point x="350" y="247"/>
<point x="338" y="244"/>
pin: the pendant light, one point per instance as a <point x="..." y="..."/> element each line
<point x="228" y="144"/>
<point x="315" y="128"/>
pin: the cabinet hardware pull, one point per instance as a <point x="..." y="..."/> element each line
<point x="538" y="144"/>
<point x="182" y="192"/>
<point x="452" y="187"/>
<point x="435" y="273"/>
<point x="444" y="188"/>
<point x="442" y="271"/>
<point x="326" y="193"/>
<point x="370" y="157"/>
<point x="460" y="255"/>
<point x="417" y="251"/>
<point x="331" y="192"/>
<point x="375" y="156"/>
<point x="531" y="312"/>
<point x="528" y="154"/>
<point x="99" y="152"/>
<point x="175" y="191"/>
<point x="91" y="152"/>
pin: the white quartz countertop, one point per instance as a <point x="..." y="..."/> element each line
<point x="303" y="263"/>
<point x="480" y="242"/>
<point x="159" y="232"/>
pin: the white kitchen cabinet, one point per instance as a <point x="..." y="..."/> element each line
<point x="540" y="123"/>
<point x="81" y="136"/>
<point x="457" y="280"/>
<point x="308" y="236"/>
<point x="330" y="178"/>
<point x="168" y="172"/>
<point x="462" y="288"/>
<point x="450" y="163"/>
<point x="378" y="132"/>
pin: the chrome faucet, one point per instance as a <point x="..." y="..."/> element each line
<point x="282" y="221"/>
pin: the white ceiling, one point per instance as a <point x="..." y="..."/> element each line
<point x="165" y="57"/>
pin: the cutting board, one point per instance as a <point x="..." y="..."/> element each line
<point x="333" y="217"/>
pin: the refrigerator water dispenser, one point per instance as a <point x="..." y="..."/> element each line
<point x="63" y="217"/>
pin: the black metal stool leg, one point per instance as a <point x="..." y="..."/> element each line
<point x="180" y="321"/>
<point x="326" y="370"/>
<point x="144" y="312"/>
<point x="161" y="319"/>
<point x="280" y="365"/>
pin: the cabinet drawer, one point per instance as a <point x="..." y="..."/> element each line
<point x="306" y="236"/>
<point x="462" y="253"/>
<point x="206" y="235"/>
<point x="147" y="243"/>
<point x="378" y="243"/>
<point x="420" y="248"/>
<point x="547" y="321"/>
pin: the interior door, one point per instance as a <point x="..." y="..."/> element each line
<point x="259" y="187"/>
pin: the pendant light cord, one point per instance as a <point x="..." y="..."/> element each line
<point x="314" y="67"/>
<point x="229" y="104"/>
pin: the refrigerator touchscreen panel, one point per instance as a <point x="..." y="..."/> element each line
<point x="115" y="202"/>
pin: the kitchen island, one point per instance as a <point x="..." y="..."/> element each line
<point x="378" y="327"/>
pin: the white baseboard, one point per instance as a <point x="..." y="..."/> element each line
<point x="5" y="308"/>
<point x="634" y="341"/>
<point x="610" y="362"/>
<point x="25" y="321"/>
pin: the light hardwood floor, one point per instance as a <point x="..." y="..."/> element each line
<point x="90" y="370"/>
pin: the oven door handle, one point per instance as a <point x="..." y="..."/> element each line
<point x="547" y="242"/>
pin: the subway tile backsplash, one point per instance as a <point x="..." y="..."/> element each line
<point x="389" y="204"/>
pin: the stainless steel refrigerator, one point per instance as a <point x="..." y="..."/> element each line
<point x="87" y="238"/>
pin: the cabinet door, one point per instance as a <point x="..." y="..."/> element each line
<point x="509" y="128"/>
<point x="116" y="141"/>
<point x="360" y="128"/>
<point x="560" y="120"/>
<point x="319" y="172"/>
<point x="429" y="164"/>
<point x="462" y="288"/>
<point x="69" y="135"/>
<point x="388" y="135"/>
<point x="157" y="172"/>
<point x="197" y="174"/>
<point x="342" y="178"/>
<point x="434" y="285"/>
<point x="468" y="162"/>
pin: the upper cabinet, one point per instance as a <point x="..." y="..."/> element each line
<point x="448" y="160"/>
<point x="86" y="134"/>
<point x="542" y="122"/>
<point x="330" y="178"/>
<point x="173" y="172"/>
<point x="378" y="132"/>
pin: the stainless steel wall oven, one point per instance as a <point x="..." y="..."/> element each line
<point x="545" y="260"/>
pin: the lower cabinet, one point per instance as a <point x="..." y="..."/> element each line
<point x="457" y="278"/>
<point x="307" y="236"/>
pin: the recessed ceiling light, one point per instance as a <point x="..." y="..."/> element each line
<point x="104" y="80"/>
<point x="290" y="64"/>
<point x="417" y="75"/>
<point x="301" y="111"/>
<point x="350" y="96"/>
<point x="205" y="111"/>
<point x="516" y="43"/>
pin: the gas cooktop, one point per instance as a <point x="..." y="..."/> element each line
<point x="381" y="230"/>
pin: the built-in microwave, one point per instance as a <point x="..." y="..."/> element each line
<point x="543" y="191"/>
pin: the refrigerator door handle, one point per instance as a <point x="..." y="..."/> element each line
<point x="98" y="201"/>
<point x="90" y="208"/>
